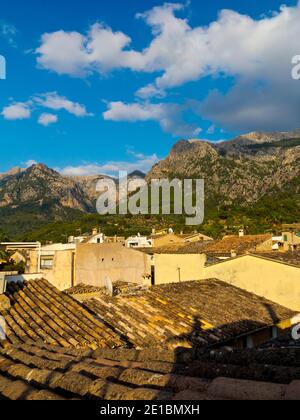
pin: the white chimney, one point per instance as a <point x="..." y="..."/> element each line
<point x="3" y="284"/>
<point x="241" y="233"/>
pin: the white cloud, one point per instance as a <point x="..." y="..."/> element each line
<point x="142" y="163"/>
<point x="78" y="55"/>
<point x="235" y="44"/>
<point x="52" y="100"/>
<point x="17" y="111"/>
<point x="56" y="102"/>
<point x="168" y="115"/>
<point x="47" y="119"/>
<point x="30" y="163"/>
<point x="250" y="50"/>
<point x="150" y="91"/>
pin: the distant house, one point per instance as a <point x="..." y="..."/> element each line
<point x="232" y="246"/>
<point x="170" y="238"/>
<point x="159" y="240"/>
<point x="138" y="241"/>
<point x="274" y="276"/>
<point x="95" y="264"/>
<point x="96" y="237"/>
<point x="290" y="241"/>
<point x="55" y="262"/>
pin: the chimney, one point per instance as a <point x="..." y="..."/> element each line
<point x="153" y="231"/>
<point x="2" y="284"/>
<point x="241" y="233"/>
<point x="233" y="253"/>
<point x="95" y="231"/>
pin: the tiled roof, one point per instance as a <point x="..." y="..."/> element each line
<point x="191" y="248"/>
<point x="40" y="372"/>
<point x="290" y="257"/>
<point x="39" y="312"/>
<point x="83" y="289"/>
<point x="194" y="313"/>
<point x="238" y="244"/>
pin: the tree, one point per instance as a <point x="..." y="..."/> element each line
<point x="3" y="236"/>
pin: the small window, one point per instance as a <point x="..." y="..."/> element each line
<point x="102" y="259"/>
<point x="46" y="263"/>
<point x="285" y="238"/>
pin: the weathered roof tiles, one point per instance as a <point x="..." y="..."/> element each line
<point x="35" y="372"/>
<point x="198" y="313"/>
<point x="39" y="312"/>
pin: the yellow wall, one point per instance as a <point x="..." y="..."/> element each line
<point x="167" y="267"/>
<point x="167" y="240"/>
<point x="277" y="282"/>
<point x="94" y="263"/>
<point x="32" y="262"/>
<point x="63" y="271"/>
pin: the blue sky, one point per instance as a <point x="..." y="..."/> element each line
<point x="93" y="86"/>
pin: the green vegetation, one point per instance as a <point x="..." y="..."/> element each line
<point x="267" y="215"/>
<point x="286" y="143"/>
<point x="8" y="264"/>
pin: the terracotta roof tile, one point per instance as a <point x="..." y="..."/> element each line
<point x="292" y="258"/>
<point x="39" y="312"/>
<point x="184" y="374"/>
<point x="194" y="313"/>
<point x="238" y="244"/>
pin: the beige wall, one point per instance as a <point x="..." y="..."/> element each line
<point x="165" y="240"/>
<point x="62" y="274"/>
<point x="32" y="262"/>
<point x="96" y="262"/>
<point x="172" y="268"/>
<point x="277" y="282"/>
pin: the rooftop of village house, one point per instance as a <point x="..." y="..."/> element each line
<point x="239" y="244"/>
<point x="291" y="257"/>
<point x="213" y="311"/>
<point x="41" y="372"/>
<point x="57" y="348"/>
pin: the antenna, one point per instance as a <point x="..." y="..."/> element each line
<point x="109" y="286"/>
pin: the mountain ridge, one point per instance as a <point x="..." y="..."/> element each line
<point x="241" y="172"/>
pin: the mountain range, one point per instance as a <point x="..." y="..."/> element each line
<point x="240" y="172"/>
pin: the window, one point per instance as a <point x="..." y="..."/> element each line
<point x="46" y="263"/>
<point x="285" y="238"/>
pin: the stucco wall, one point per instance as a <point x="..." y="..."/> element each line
<point x="62" y="273"/>
<point x="277" y="282"/>
<point x="178" y="267"/>
<point x="165" y="240"/>
<point x="96" y="262"/>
